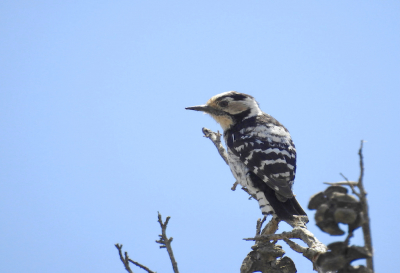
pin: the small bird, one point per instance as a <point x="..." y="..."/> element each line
<point x="261" y="154"/>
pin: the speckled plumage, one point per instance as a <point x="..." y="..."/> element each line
<point x="261" y="153"/>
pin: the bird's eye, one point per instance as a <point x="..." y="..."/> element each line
<point x="223" y="104"/>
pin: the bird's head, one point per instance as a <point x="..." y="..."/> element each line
<point x="229" y="108"/>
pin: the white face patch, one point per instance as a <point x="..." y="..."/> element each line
<point x="236" y="107"/>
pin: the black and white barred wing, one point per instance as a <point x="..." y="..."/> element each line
<point x="273" y="162"/>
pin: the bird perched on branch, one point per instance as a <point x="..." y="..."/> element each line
<point x="261" y="153"/>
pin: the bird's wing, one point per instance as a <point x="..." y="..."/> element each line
<point x="273" y="162"/>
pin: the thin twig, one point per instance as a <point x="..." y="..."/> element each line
<point x="166" y="242"/>
<point x="260" y="222"/>
<point x="216" y="139"/>
<point x="363" y="199"/>
<point x="234" y="186"/>
<point x="349" y="235"/>
<point x="142" y="266"/>
<point x="341" y="183"/>
<point x="271" y="227"/>
<point x="125" y="260"/>
<point x="353" y="190"/>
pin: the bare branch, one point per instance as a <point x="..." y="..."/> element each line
<point x="141" y="266"/>
<point x="260" y="222"/>
<point x="296" y="247"/>
<point x="363" y="199"/>
<point x="216" y="139"/>
<point x="315" y="247"/>
<point x="125" y="260"/>
<point x="271" y="227"/>
<point x="353" y="190"/>
<point x="166" y="242"/>
<point x="349" y="235"/>
<point x="341" y="183"/>
<point x="266" y="257"/>
<point x="234" y="186"/>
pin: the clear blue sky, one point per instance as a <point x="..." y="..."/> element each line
<point x="95" y="140"/>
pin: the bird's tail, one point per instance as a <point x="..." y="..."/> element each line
<point x="288" y="211"/>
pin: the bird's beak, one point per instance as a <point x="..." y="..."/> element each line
<point x="206" y="109"/>
<point x="202" y="108"/>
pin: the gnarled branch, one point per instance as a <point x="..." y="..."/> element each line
<point x="315" y="247"/>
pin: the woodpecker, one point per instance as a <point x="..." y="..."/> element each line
<point x="261" y="153"/>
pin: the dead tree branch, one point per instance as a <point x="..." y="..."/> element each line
<point x="234" y="186"/>
<point x="352" y="186"/>
<point x="334" y="206"/>
<point x="363" y="199"/>
<point x="260" y="222"/>
<point x="315" y="247"/>
<point x="166" y="242"/>
<point x="125" y="260"/>
<point x="216" y="139"/>
<point x="342" y="183"/>
<point x="266" y="256"/>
